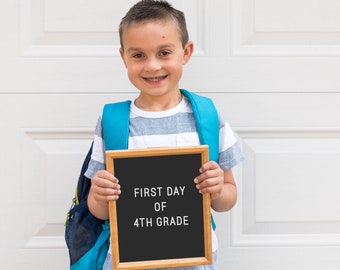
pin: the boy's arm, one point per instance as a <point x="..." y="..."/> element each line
<point x="104" y="188"/>
<point x="226" y="199"/>
<point x="220" y="184"/>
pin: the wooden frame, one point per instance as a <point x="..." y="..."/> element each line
<point x="160" y="219"/>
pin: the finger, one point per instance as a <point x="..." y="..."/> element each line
<point x="106" y="175"/>
<point x="210" y="165"/>
<point x="106" y="198"/>
<point x="106" y="192"/>
<point x="213" y="190"/>
<point x="208" y="175"/>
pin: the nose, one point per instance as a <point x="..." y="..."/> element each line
<point x="152" y="64"/>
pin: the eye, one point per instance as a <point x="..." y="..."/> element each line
<point x="137" y="55"/>
<point x="164" y="53"/>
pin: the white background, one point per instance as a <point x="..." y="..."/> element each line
<point x="271" y="66"/>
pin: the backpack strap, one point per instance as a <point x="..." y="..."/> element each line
<point x="206" y="118"/>
<point x="207" y="124"/>
<point x="115" y="124"/>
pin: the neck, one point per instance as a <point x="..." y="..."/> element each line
<point x="158" y="103"/>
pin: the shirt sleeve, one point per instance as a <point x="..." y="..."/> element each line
<point x="230" y="152"/>
<point x="97" y="161"/>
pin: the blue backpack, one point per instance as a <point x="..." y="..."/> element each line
<point x="87" y="237"/>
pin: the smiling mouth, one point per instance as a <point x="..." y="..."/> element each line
<point x="155" y="79"/>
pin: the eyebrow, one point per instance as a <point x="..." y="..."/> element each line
<point x="134" y="49"/>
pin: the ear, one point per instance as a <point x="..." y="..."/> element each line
<point x="121" y="51"/>
<point x="188" y="50"/>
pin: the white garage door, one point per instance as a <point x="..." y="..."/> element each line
<point x="272" y="67"/>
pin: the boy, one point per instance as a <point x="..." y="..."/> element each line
<point x="154" y="47"/>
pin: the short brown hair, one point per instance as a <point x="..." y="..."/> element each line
<point x="154" y="10"/>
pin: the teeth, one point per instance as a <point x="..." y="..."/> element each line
<point x="155" y="79"/>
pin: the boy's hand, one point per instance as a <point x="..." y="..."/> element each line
<point x="104" y="187"/>
<point x="211" y="179"/>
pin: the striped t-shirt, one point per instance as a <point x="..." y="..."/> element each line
<point x="173" y="127"/>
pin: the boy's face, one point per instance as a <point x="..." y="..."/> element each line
<point x="154" y="57"/>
